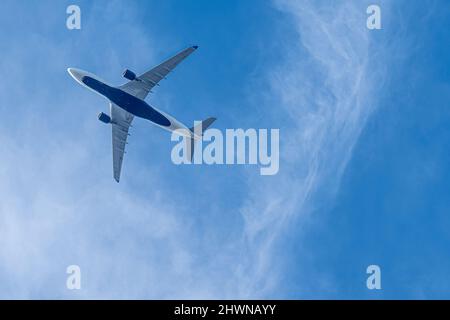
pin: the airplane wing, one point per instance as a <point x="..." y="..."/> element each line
<point x="142" y="85"/>
<point x="121" y="122"/>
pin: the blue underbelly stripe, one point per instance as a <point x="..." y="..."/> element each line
<point x="128" y="102"/>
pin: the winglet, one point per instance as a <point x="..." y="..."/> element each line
<point x="195" y="47"/>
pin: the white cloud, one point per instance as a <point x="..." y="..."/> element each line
<point x="60" y="207"/>
<point x="325" y="88"/>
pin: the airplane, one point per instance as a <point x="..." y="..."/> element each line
<point x="127" y="101"/>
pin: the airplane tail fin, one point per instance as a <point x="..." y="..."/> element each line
<point x="199" y="128"/>
<point x="202" y="126"/>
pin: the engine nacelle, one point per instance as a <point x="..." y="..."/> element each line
<point x="130" y="75"/>
<point x="104" y="118"/>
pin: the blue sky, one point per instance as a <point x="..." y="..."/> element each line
<point x="363" y="151"/>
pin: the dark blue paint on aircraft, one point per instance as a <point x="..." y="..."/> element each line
<point x="126" y="101"/>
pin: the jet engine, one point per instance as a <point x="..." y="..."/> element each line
<point x="130" y="75"/>
<point x="104" y="118"/>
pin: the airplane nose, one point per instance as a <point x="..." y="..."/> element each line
<point x="77" y="75"/>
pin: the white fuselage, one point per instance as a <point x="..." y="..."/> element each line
<point x="135" y="106"/>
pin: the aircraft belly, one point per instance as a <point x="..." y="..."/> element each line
<point x="126" y="101"/>
<point x="140" y="108"/>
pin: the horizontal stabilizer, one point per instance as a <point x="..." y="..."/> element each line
<point x="198" y="129"/>
<point x="204" y="125"/>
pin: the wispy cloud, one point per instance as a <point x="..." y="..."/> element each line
<point x="325" y="88"/>
<point x="58" y="207"/>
